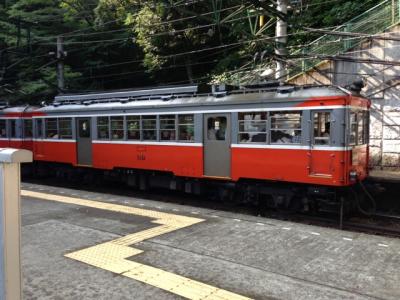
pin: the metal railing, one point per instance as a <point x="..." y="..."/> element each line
<point x="373" y="21"/>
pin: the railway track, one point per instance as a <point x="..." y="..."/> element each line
<point x="381" y="223"/>
<point x="377" y="224"/>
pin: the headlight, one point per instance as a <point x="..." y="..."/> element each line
<point x="353" y="176"/>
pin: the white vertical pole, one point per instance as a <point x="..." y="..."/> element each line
<point x="281" y="40"/>
<point x="10" y="222"/>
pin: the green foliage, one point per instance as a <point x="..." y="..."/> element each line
<point x="325" y="14"/>
<point x="126" y="43"/>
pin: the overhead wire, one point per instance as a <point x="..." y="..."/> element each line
<point x="158" y="24"/>
<point x="196" y="51"/>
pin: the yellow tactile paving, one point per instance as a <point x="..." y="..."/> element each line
<point x="112" y="256"/>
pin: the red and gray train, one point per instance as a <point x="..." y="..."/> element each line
<point x="288" y="146"/>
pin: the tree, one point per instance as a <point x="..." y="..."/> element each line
<point x="126" y="43"/>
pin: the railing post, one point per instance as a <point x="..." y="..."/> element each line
<point x="347" y="43"/>
<point x="398" y="10"/>
<point x="10" y="231"/>
<point x="393" y="11"/>
<point x="303" y="61"/>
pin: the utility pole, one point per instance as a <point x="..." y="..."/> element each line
<point x="281" y="40"/>
<point x="60" y="62"/>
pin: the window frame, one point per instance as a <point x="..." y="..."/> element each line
<point x="350" y="131"/>
<point x="5" y="129"/>
<point x="37" y="136"/>
<point x="179" y="125"/>
<point x="12" y="125"/>
<point x="122" y="138"/>
<point x="108" y="128"/>
<point x="174" y="130"/>
<point x="360" y="115"/>
<point x="285" y="129"/>
<point x="154" y="129"/>
<point x="313" y="113"/>
<point x="243" y="121"/>
<point x="46" y="128"/>
<point x="64" y="137"/>
<point x="139" y="120"/>
<point x="24" y="128"/>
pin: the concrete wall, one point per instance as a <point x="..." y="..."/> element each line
<point x="381" y="86"/>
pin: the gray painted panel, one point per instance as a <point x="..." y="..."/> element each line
<point x="338" y="127"/>
<point x="198" y="128"/>
<point x="235" y="127"/>
<point x="217" y="153"/>
<point x="129" y="93"/>
<point x="84" y="141"/>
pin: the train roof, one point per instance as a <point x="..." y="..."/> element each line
<point x="188" y="96"/>
<point x="19" y="109"/>
<point x="3" y="105"/>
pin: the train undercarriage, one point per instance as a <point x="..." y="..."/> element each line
<point x="267" y="195"/>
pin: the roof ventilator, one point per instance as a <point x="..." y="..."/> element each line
<point x="167" y="97"/>
<point x="219" y="90"/>
<point x="286" y="89"/>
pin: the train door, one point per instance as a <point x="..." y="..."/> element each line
<point x="217" y="145"/>
<point x="84" y="141"/>
<point x="321" y="159"/>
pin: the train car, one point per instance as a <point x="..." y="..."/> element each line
<point x="311" y="138"/>
<point x="16" y="127"/>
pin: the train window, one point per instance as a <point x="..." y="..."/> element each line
<point x="117" y="128"/>
<point x="51" y="128"/>
<point x="13" y="125"/>
<point x="28" y="128"/>
<point x="103" y="128"/>
<point x="149" y="128"/>
<point x="253" y="127"/>
<point x="366" y="127"/>
<point x="133" y="125"/>
<point x="39" y="128"/>
<point x="286" y="127"/>
<point x="3" y="129"/>
<point x="216" y="128"/>
<point x="361" y="128"/>
<point x="322" y="128"/>
<point x="84" y="128"/>
<point x="65" y="128"/>
<point x="167" y="128"/>
<point x="353" y="129"/>
<point x="186" y="128"/>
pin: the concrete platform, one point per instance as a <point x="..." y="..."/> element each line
<point x="82" y="245"/>
<point x="384" y="176"/>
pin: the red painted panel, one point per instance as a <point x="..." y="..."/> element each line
<point x="63" y="152"/>
<point x="358" y="158"/>
<point x="23" y="114"/>
<point x="291" y="165"/>
<point x="361" y="102"/>
<point x="4" y="144"/>
<point x="324" y="101"/>
<point x="17" y="144"/>
<point x="181" y="160"/>
<point x="336" y="100"/>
